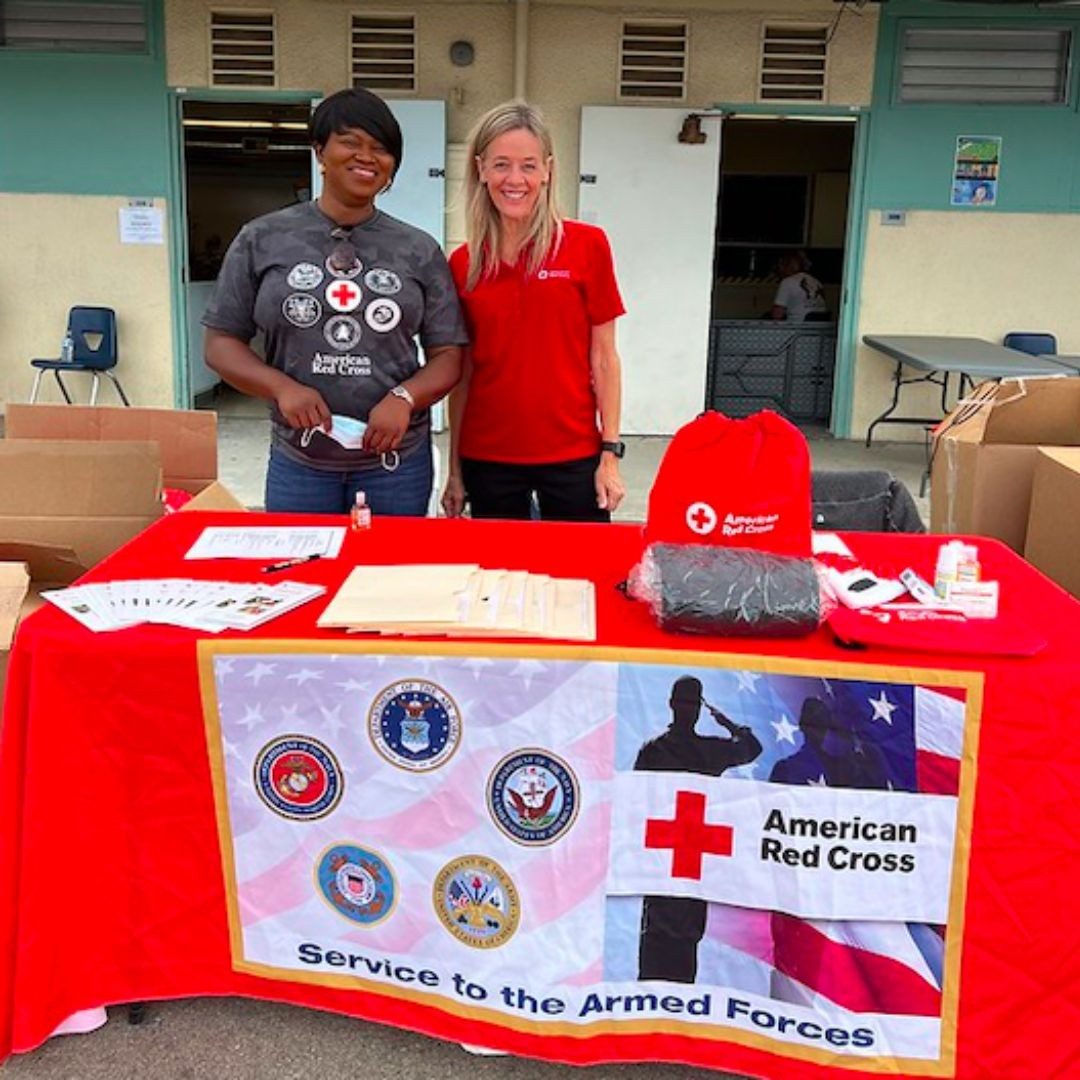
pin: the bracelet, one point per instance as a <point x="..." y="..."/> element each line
<point x="403" y="393"/>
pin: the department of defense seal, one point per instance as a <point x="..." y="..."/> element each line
<point x="298" y="778"/>
<point x="415" y="725"/>
<point x="477" y="902"/>
<point x="357" y="882"/>
<point x="533" y="796"/>
<point x="305" y="275"/>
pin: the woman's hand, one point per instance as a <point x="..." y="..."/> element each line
<point x="387" y="424"/>
<point x="610" y="489"/>
<point x="302" y="406"/>
<point x="453" y="498"/>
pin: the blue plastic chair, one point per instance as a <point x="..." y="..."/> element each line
<point x="93" y="331"/>
<point x="1032" y="344"/>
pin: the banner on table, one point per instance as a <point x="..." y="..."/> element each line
<point x="555" y="844"/>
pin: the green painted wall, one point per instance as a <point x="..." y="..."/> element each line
<point x="912" y="146"/>
<point x="83" y="123"/>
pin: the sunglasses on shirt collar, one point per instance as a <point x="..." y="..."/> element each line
<point x="344" y="257"/>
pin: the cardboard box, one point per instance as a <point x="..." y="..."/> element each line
<point x="186" y="440"/>
<point x="20" y="593"/>
<point x="1055" y="509"/>
<point x="78" y="501"/>
<point x="985" y="453"/>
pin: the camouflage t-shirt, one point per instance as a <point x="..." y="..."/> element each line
<point x="348" y="330"/>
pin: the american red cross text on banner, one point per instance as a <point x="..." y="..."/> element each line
<point x="771" y="853"/>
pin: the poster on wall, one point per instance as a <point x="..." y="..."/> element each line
<point x="976" y="166"/>
<point x="556" y="844"/>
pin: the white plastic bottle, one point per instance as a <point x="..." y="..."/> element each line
<point x="948" y="567"/>
<point x="360" y="515"/>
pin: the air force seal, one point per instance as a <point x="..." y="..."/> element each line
<point x="357" y="883"/>
<point x="415" y="725"/>
<point x="477" y="902"/>
<point x="298" y="778"/>
<point x="533" y="797"/>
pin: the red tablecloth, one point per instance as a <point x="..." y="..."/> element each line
<point x="111" y="884"/>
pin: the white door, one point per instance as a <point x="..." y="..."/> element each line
<point x="418" y="195"/>
<point x="656" y="199"/>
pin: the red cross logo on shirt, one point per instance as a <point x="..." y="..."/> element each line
<point x="688" y="835"/>
<point x="701" y="518"/>
<point x="343" y="296"/>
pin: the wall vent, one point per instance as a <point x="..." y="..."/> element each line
<point x="242" y="48"/>
<point x="653" y="60"/>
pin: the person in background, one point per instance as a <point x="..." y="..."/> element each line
<point x="799" y="297"/>
<point x="340" y="290"/>
<point x="537" y="411"/>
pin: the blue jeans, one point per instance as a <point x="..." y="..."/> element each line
<point x="295" y="488"/>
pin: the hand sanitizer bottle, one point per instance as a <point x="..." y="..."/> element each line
<point x="360" y="514"/>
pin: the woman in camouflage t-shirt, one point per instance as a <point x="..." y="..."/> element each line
<point x="340" y="292"/>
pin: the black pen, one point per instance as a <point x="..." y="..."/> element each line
<point x="286" y="564"/>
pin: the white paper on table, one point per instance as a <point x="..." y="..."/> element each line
<point x="267" y="542"/>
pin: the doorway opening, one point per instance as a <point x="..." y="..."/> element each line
<point x="782" y="211"/>
<point x="240" y="160"/>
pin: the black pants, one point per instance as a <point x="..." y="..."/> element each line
<point x="671" y="929"/>
<point x="564" y="490"/>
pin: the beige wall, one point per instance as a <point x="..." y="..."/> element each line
<point x="572" y="55"/>
<point x="963" y="273"/>
<point x="70" y="253"/>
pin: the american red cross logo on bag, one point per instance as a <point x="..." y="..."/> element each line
<point x="701" y="518"/>
<point x="343" y="296"/>
<point x="688" y="835"/>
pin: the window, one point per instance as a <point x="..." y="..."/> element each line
<point x="986" y="66"/>
<point x="793" y="60"/>
<point x="242" y="49"/>
<point x="73" y="25"/>
<point x="383" y="53"/>
<point x="652" y="60"/>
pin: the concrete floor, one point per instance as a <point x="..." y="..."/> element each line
<point x="233" y="1039"/>
<point x="244" y="440"/>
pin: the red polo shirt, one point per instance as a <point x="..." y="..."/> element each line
<point x="531" y="397"/>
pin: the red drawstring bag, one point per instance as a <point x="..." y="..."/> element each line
<point x="734" y="483"/>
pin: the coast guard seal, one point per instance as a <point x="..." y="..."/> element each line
<point x="415" y="725"/>
<point x="533" y="796"/>
<point x="298" y="778"/>
<point x="357" y="883"/>
<point x="477" y="902"/>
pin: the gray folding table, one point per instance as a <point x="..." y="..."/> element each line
<point x="938" y="358"/>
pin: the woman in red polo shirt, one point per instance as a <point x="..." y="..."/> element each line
<point x="537" y="409"/>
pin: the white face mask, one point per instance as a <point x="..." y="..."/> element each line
<point x="345" y="430"/>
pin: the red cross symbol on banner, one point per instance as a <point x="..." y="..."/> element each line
<point x="343" y="296"/>
<point x="688" y="836"/>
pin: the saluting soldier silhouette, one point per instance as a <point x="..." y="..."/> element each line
<point x="673" y="926"/>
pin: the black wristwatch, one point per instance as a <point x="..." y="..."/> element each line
<point x="616" y="448"/>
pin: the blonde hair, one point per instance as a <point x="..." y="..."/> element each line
<point x="483" y="224"/>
